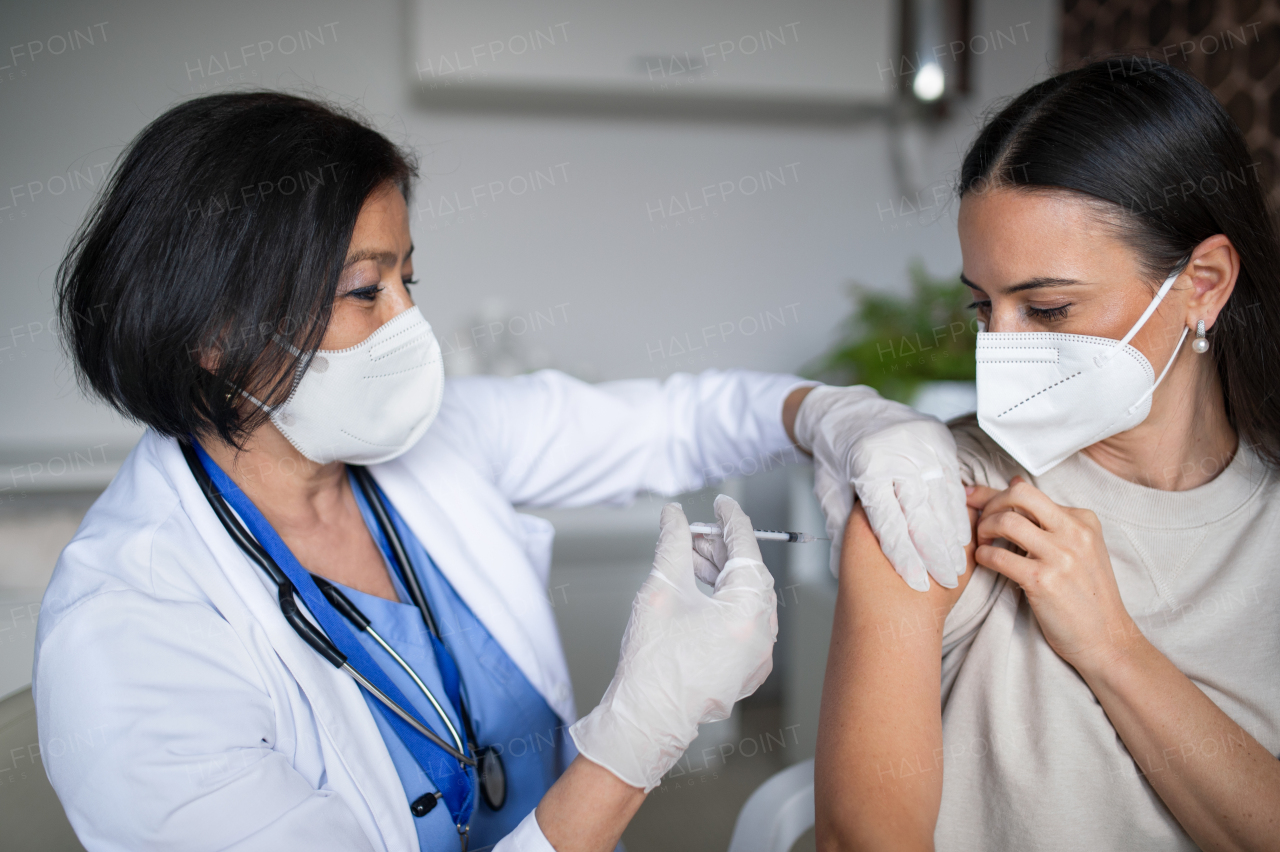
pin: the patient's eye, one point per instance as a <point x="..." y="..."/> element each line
<point x="982" y="306"/>
<point x="1047" y="314"/>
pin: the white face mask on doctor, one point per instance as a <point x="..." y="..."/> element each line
<point x="370" y="402"/>
<point x="1045" y="396"/>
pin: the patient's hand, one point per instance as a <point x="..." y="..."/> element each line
<point x="1064" y="570"/>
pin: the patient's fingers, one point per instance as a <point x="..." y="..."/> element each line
<point x="1014" y="528"/>
<point x="979" y="496"/>
<point x="1029" y="501"/>
<point x="1019" y="569"/>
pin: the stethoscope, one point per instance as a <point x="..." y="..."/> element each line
<point x="486" y="760"/>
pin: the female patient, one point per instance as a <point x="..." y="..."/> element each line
<point x="1108" y="675"/>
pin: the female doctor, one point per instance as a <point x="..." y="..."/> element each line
<point x="241" y="289"/>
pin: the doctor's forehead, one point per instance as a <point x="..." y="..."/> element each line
<point x="384" y="256"/>
<point x="381" y="230"/>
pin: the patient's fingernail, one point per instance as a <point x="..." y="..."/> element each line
<point x="969" y="489"/>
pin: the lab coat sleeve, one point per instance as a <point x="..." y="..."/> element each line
<point x="527" y="837"/>
<point x="157" y="734"/>
<point x="547" y="439"/>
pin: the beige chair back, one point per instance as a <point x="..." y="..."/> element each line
<point x="30" y="813"/>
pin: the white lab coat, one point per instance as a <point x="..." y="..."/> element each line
<point x="179" y="710"/>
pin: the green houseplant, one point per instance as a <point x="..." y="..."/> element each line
<point x="897" y="344"/>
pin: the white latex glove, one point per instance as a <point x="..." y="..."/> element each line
<point x="686" y="658"/>
<point x="710" y="553"/>
<point x="902" y="466"/>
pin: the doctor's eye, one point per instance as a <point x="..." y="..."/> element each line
<point x="408" y="281"/>
<point x="1047" y="314"/>
<point x="365" y="294"/>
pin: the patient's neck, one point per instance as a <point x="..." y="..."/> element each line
<point x="1185" y="441"/>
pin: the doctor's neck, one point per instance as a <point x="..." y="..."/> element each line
<point x="278" y="478"/>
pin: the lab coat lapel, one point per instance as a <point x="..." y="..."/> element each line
<point x="491" y="575"/>
<point x="334" y="698"/>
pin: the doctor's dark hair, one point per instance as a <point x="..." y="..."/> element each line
<point x="1167" y="168"/>
<point x="214" y="252"/>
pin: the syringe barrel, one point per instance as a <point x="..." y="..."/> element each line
<point x="762" y="535"/>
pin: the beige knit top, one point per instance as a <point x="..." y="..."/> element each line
<point x="1031" y="760"/>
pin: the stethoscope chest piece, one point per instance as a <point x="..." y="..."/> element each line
<point x="493" y="777"/>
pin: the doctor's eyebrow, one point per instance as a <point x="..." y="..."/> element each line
<point x="1030" y="284"/>
<point x="384" y="257"/>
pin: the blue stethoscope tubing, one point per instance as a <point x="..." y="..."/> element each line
<point x="487" y="761"/>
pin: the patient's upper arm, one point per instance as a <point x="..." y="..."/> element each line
<point x="878" y="773"/>
<point x="864" y="567"/>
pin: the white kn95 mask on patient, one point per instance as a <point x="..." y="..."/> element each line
<point x="370" y="402"/>
<point x="1044" y="396"/>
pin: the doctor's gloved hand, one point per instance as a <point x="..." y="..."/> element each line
<point x="902" y="465"/>
<point x="686" y="658"/>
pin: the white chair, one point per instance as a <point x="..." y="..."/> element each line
<point x="30" y="812"/>
<point x="778" y="812"/>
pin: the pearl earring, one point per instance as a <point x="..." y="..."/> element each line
<point x="1200" y="344"/>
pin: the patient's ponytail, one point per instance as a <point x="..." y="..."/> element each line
<point x="1156" y="146"/>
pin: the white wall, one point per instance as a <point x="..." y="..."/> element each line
<point x="590" y="252"/>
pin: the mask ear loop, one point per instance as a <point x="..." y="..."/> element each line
<point x="1101" y="360"/>
<point x="285" y="344"/>
<point x="297" y="353"/>
<point x="1176" y="349"/>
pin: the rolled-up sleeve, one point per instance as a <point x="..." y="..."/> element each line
<point x="547" y="439"/>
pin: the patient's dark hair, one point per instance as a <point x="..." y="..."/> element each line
<point x="219" y="237"/>
<point x="1171" y="170"/>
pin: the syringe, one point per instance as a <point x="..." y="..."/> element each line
<point x="763" y="535"/>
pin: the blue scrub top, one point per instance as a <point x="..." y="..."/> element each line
<point x="507" y="713"/>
